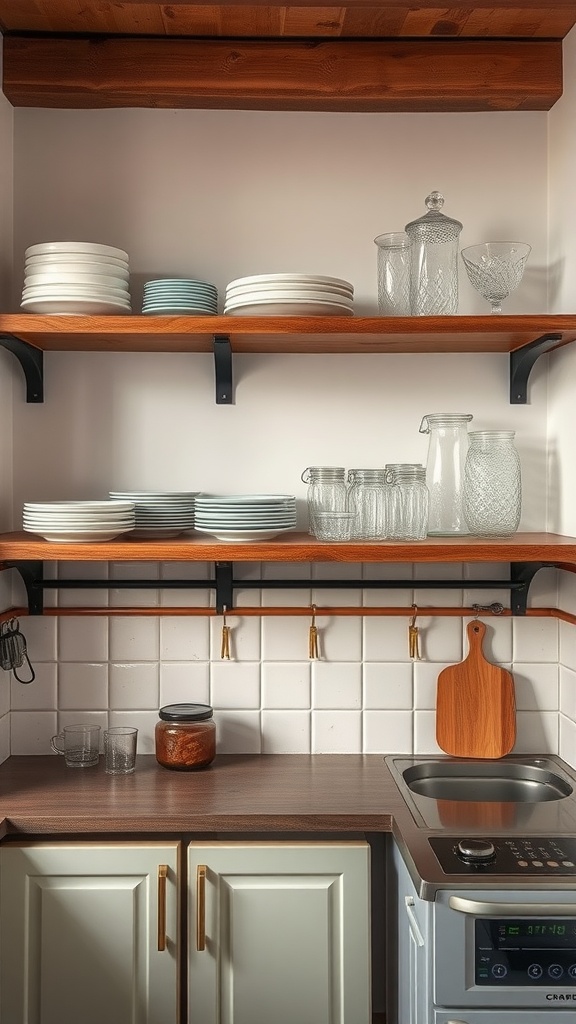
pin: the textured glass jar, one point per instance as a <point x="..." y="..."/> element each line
<point x="393" y="273"/>
<point x="367" y="498"/>
<point x="492" y="484"/>
<point x="327" y="491"/>
<point x="185" y="737"/>
<point x="434" y="260"/>
<point x="409" y="503"/>
<point x="447" y="450"/>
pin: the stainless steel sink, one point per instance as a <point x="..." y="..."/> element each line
<point x="533" y="794"/>
<point x="487" y="781"/>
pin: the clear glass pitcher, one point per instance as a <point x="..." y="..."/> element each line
<point x="447" y="451"/>
<point x="492" y="484"/>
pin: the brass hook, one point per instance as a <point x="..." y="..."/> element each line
<point x="413" y="637"/>
<point x="225" y="644"/>
<point x="313" y="649"/>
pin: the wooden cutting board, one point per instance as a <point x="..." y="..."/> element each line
<point x="475" y="704"/>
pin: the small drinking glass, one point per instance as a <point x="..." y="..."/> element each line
<point x="334" y="525"/>
<point x="120" y="750"/>
<point x="393" y="273"/>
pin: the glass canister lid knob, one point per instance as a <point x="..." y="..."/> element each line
<point x="434" y="225"/>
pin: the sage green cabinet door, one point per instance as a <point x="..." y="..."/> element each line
<point x="80" y="930"/>
<point x="287" y="933"/>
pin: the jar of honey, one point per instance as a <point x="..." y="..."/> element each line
<point x="185" y="737"/>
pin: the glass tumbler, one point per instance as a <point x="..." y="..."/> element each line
<point x="327" y="491"/>
<point x="393" y="262"/>
<point x="492" y="484"/>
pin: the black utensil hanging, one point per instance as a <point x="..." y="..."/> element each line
<point x="14" y="651"/>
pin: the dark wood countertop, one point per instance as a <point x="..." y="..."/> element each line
<point x="237" y="793"/>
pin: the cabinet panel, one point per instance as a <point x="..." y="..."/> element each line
<point x="287" y="934"/>
<point x="79" y="934"/>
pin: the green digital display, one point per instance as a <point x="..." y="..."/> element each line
<point x="535" y="929"/>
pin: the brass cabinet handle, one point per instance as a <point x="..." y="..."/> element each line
<point x="162" y="876"/>
<point x="201" y="907"/>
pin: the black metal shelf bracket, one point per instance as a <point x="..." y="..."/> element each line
<point x="32" y="362"/>
<point x="32" y="573"/>
<point x="522" y="574"/>
<point x="521" y="362"/>
<point x="223" y="369"/>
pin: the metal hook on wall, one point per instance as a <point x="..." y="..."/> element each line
<point x="414" y="637"/>
<point x="313" y="646"/>
<point x="225" y="643"/>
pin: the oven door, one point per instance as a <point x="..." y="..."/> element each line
<point x="513" y="949"/>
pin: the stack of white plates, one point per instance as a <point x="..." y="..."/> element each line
<point x="178" y="296"/>
<point x="160" y="513"/>
<point x="78" y="520"/>
<point x="289" y="295"/>
<point x="237" y="517"/>
<point x="76" y="277"/>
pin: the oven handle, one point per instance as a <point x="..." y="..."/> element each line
<point x="480" y="909"/>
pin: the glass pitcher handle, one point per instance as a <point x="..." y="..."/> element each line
<point x="424" y="427"/>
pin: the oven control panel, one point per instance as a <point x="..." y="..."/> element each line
<point x="525" y="951"/>
<point x="537" y="855"/>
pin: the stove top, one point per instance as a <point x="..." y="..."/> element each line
<point x="536" y="856"/>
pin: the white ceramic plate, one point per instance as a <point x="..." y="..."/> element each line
<point x="86" y="506"/>
<point x="242" y="499"/>
<point x="72" y="291"/>
<point x="284" y="296"/>
<point x="98" y="280"/>
<point x="295" y="278"/>
<point x="161" y="495"/>
<point x="242" y="535"/>
<point x="274" y="291"/>
<point x="75" y="307"/>
<point x="56" y="271"/>
<point x="66" y="535"/>
<point x="178" y="311"/>
<point x="76" y="260"/>
<point x="87" y="247"/>
<point x="180" y="281"/>
<point x="290" y="309"/>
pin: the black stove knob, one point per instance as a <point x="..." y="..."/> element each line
<point x="476" y="851"/>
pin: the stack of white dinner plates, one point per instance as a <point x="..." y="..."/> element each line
<point x="289" y="295"/>
<point x="160" y="514"/>
<point x="78" y="520"/>
<point x="178" y="296"/>
<point x="76" y="277"/>
<point x="237" y="517"/>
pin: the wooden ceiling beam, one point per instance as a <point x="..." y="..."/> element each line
<point x="335" y="75"/>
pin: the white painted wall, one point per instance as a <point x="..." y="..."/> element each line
<point x="217" y="195"/>
<point x="7" y="373"/>
<point x="562" y="382"/>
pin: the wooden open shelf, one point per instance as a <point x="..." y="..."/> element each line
<point x="297" y="334"/>
<point x="298" y="547"/>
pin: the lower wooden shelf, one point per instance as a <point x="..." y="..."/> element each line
<point x="296" y="547"/>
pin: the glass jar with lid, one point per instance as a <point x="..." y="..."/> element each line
<point x="327" y="491"/>
<point x="367" y="498"/>
<point x="434" y="242"/>
<point x="185" y="736"/>
<point x="409" y="503"/>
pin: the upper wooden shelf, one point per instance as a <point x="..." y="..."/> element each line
<point x="298" y="547"/>
<point x="395" y="56"/>
<point x="294" y="334"/>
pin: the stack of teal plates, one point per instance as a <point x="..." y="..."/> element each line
<point x="179" y="296"/>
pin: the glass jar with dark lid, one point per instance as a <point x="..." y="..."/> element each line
<point x="185" y="736"/>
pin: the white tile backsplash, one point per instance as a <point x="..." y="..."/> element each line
<point x="363" y="694"/>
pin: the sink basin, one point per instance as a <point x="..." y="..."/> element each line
<point x="492" y="781"/>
